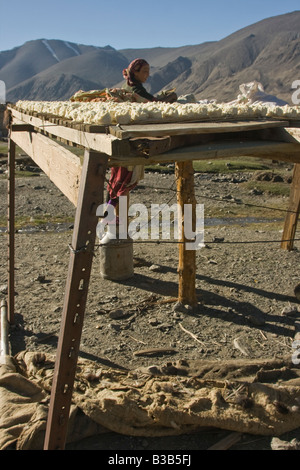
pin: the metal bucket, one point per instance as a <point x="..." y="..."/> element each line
<point x="116" y="260"/>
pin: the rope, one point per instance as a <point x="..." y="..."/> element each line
<point x="178" y="242"/>
<point x="240" y="242"/>
<point x="229" y="201"/>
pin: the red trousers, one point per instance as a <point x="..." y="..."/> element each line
<point x="119" y="182"/>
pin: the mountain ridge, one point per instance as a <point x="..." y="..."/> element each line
<point x="267" y="51"/>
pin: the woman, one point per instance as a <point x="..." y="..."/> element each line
<point x="123" y="179"/>
<point x="136" y="74"/>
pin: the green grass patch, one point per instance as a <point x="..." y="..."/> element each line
<point x="159" y="168"/>
<point x="228" y="166"/>
<point x="219" y="166"/>
<point x="25" y="221"/>
<point x="274" y="189"/>
<point x="3" y="147"/>
<point x="22" y="174"/>
<point x="26" y="174"/>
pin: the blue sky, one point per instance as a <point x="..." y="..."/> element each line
<point x="132" y="23"/>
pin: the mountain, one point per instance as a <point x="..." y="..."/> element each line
<point x="93" y="69"/>
<point x="267" y="51"/>
<point x="33" y="57"/>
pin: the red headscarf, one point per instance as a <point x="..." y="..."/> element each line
<point x="134" y="66"/>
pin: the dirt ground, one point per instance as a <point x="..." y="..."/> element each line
<point x="245" y="286"/>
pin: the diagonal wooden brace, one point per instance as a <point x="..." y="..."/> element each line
<point x="80" y="264"/>
<point x="291" y="220"/>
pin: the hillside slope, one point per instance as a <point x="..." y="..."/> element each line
<point x="267" y="51"/>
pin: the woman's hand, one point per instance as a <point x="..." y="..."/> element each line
<point x="168" y="96"/>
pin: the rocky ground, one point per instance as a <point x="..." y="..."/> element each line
<point x="245" y="284"/>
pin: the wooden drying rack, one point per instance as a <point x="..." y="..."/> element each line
<point x="83" y="184"/>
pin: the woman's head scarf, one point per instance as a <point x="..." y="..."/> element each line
<point x="134" y="66"/>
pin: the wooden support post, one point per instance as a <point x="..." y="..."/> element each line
<point x="80" y="264"/>
<point x="290" y="224"/>
<point x="11" y="230"/>
<point x="184" y="173"/>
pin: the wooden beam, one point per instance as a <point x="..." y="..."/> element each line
<point x="294" y="133"/>
<point x="284" y="151"/>
<point x="290" y="225"/>
<point x="260" y="148"/>
<point x="60" y="165"/>
<point x="149" y="146"/>
<point x="99" y="142"/>
<point x="291" y="219"/>
<point x="80" y="265"/>
<point x="185" y="128"/>
<point x="121" y="155"/>
<point x="184" y="173"/>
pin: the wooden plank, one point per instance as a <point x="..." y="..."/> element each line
<point x="264" y="149"/>
<point x="60" y="165"/>
<point x="80" y="265"/>
<point x="286" y="134"/>
<point x="99" y="142"/>
<point x="184" y="128"/>
<point x="291" y="220"/>
<point x="119" y="150"/>
<point x="283" y="151"/>
<point x="294" y="133"/>
<point x="150" y="146"/>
